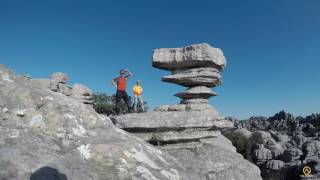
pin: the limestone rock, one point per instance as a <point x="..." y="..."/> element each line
<point x="197" y="55"/>
<point x="60" y="77"/>
<point x="66" y="136"/>
<point x="154" y="120"/>
<point x="197" y="67"/>
<point x="198" y="145"/>
<point x="275" y="164"/>
<point x="194" y="77"/>
<point x="79" y="89"/>
<point x="198" y="92"/>
<point x="262" y="154"/>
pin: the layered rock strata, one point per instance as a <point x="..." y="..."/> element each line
<point x="190" y="131"/>
<point x="196" y="67"/>
<point x="59" y="83"/>
<point x="47" y="135"/>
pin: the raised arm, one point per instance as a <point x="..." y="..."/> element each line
<point x="129" y="73"/>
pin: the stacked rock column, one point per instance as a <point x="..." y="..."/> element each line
<point x="197" y="67"/>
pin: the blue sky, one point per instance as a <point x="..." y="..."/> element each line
<point x="272" y="47"/>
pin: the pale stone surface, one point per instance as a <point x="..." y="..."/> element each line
<point x="198" y="92"/>
<point x="44" y="137"/>
<point x="275" y="164"/>
<point x="60" y="77"/>
<point x="196" y="55"/>
<point x="196" y="66"/>
<point x="179" y="119"/>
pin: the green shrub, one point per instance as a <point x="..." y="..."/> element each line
<point x="242" y="143"/>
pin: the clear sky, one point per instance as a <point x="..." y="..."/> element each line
<point x="272" y="47"/>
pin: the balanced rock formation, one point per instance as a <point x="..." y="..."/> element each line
<point x="47" y="135"/>
<point x="59" y="83"/>
<point x="190" y="131"/>
<point x="196" y="67"/>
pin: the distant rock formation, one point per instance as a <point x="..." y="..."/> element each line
<point x="196" y="67"/>
<point x="190" y="131"/>
<point x="59" y="83"/>
<point x="284" y="144"/>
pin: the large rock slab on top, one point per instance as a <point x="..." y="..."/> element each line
<point x="41" y="129"/>
<point x="193" y="56"/>
<point x="171" y="120"/>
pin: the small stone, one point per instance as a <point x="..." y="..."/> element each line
<point x="4" y="110"/>
<point x="21" y="112"/>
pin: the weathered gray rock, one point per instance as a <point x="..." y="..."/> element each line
<point x="291" y="154"/>
<point x="245" y="132"/>
<point x="275" y="164"/>
<point x="66" y="136"/>
<point x="198" y="92"/>
<point x="80" y="89"/>
<point x="262" y="135"/>
<point x="196" y="144"/>
<point x="173" y="120"/>
<point x="195" y="101"/>
<point x="82" y="93"/>
<point x="182" y="135"/>
<point x="196" y="66"/>
<point x="60" y="77"/>
<point x="197" y="55"/>
<point x="261" y="154"/>
<point x="194" y="79"/>
<point x="215" y="162"/>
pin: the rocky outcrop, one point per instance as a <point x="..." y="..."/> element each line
<point x="190" y="131"/>
<point x="194" y="139"/>
<point x="284" y="143"/>
<point x="46" y="133"/>
<point x="196" y="67"/>
<point x="59" y="83"/>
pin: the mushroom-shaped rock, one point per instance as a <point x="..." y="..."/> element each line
<point x="196" y="55"/>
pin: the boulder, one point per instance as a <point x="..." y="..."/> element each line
<point x="81" y="90"/>
<point x="60" y="77"/>
<point x="291" y="154"/>
<point x="261" y="154"/>
<point x="196" y="55"/>
<point x="275" y="164"/>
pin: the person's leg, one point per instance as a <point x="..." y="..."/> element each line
<point x="135" y="101"/>
<point x="141" y="103"/>
<point x="127" y="101"/>
<point x="118" y="99"/>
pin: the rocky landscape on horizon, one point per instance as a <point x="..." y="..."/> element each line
<point x="50" y="129"/>
<point x="281" y="145"/>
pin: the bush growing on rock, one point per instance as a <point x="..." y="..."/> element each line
<point x="242" y="143"/>
<point x="104" y="104"/>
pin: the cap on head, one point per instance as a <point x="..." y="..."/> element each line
<point x="138" y="82"/>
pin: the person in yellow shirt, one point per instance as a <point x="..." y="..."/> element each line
<point x="137" y="93"/>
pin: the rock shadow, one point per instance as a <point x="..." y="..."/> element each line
<point x="48" y="173"/>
